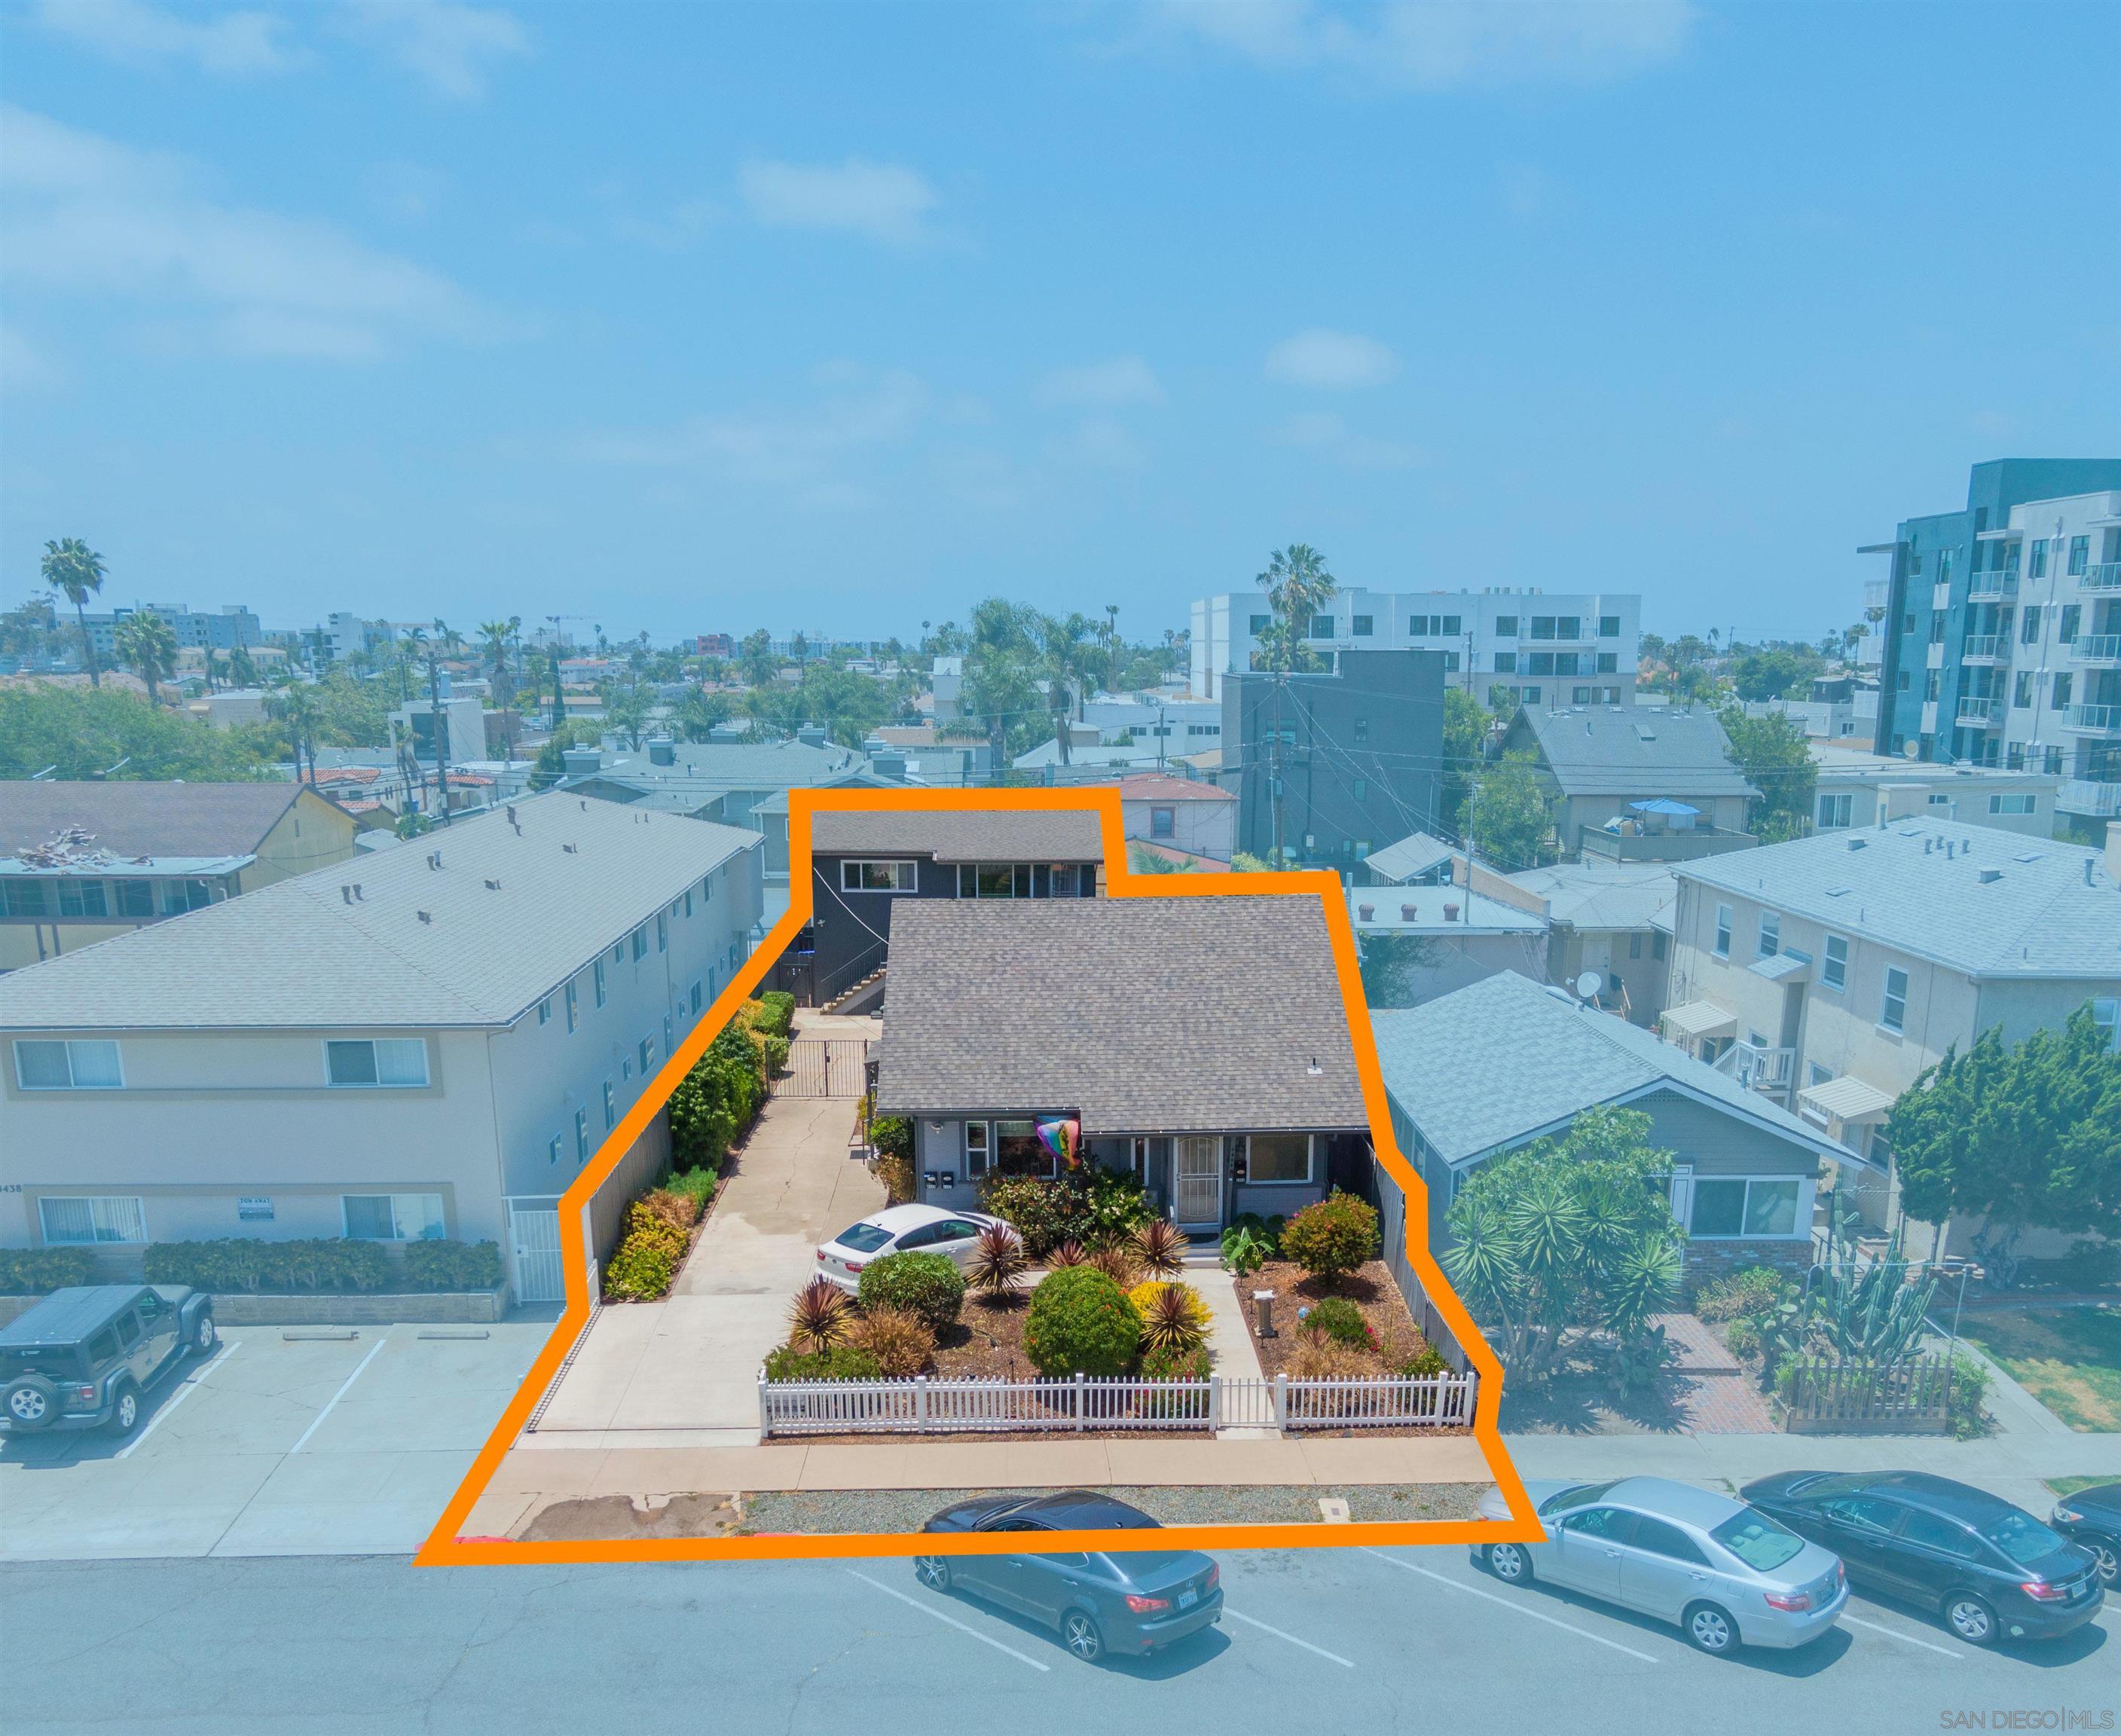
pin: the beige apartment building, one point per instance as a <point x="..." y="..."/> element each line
<point x="1831" y="972"/>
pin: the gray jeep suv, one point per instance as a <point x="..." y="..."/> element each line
<point x="81" y="1358"/>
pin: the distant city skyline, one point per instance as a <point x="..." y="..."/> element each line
<point x="837" y="319"/>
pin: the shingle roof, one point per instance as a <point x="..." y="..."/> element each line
<point x="963" y="834"/>
<point x="142" y="819"/>
<point x="1417" y="853"/>
<point x="1635" y="751"/>
<point x="1991" y="904"/>
<point x="1144" y="1016"/>
<point x="1496" y="1062"/>
<point x="1162" y="786"/>
<point x="715" y="766"/>
<point x="1477" y="913"/>
<point x="1593" y="896"/>
<point x="298" y="954"/>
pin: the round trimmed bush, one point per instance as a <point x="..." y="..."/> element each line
<point x="1333" y="1238"/>
<point x="1081" y="1323"/>
<point x="927" y="1285"/>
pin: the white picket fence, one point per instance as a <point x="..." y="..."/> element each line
<point x="921" y="1405"/>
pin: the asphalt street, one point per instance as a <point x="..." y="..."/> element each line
<point x="1354" y="1639"/>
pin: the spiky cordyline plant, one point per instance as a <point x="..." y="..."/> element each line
<point x="1070" y="1252"/>
<point x="819" y="1317"/>
<point x="998" y="1261"/>
<point x="1159" y="1247"/>
<point x="1116" y="1263"/>
<point x="1171" y="1321"/>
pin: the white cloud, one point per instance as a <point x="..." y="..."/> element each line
<point x="1437" y="45"/>
<point x="1331" y="361"/>
<point x="884" y="202"/>
<point x="1324" y="433"/>
<point x="1123" y="380"/>
<point x="809" y="453"/>
<point x="229" y="45"/>
<point x="87" y="216"/>
<point x="449" y="48"/>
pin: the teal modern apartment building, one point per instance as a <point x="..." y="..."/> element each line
<point x="2002" y="636"/>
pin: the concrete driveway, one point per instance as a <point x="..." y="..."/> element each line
<point x="684" y="1372"/>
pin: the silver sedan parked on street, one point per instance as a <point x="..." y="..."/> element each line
<point x="1724" y="1572"/>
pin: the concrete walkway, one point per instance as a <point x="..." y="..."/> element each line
<point x="690" y="1364"/>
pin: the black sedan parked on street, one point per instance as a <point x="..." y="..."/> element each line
<point x="1993" y="1569"/>
<point x="2092" y="1519"/>
<point x="1134" y="1601"/>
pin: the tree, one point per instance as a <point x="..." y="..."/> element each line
<point x="755" y="658"/>
<point x="242" y="670"/>
<point x="1777" y="761"/>
<point x="1465" y="725"/>
<point x="76" y="570"/>
<point x="148" y="644"/>
<point x="295" y="710"/>
<point x="1567" y="1231"/>
<point x="2026" y="1138"/>
<point x="1297" y="585"/>
<point x="1774" y="673"/>
<point x="1001" y="669"/>
<point x="498" y="637"/>
<point x="1067" y="661"/>
<point x="83" y="733"/>
<point x="627" y="708"/>
<point x="1509" y="818"/>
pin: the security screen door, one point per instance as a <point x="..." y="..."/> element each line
<point x="1198" y="1186"/>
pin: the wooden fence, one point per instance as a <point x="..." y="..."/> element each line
<point x="924" y="1405"/>
<point x="1830" y="1397"/>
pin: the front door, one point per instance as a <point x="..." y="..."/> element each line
<point x="1197" y="1180"/>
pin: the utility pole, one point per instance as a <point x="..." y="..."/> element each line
<point x="435" y="719"/>
<point x="1274" y="765"/>
<point x="1112" y="646"/>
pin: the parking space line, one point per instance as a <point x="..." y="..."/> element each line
<point x="950" y="1620"/>
<point x="184" y="1390"/>
<point x="1893" y="1633"/>
<point x="1251" y="1622"/>
<point x="317" y="1422"/>
<point x="1537" y="1615"/>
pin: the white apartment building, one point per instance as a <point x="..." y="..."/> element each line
<point x="1856" y="788"/>
<point x="2040" y="654"/>
<point x="427" y="1043"/>
<point x="1831" y="972"/>
<point x="1555" y="649"/>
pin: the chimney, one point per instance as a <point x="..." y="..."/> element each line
<point x="811" y="735"/>
<point x="579" y="762"/>
<point x="662" y="753"/>
<point x="2113" y="850"/>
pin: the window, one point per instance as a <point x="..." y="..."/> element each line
<point x="1722" y="931"/>
<point x="2011" y="803"/>
<point x="25" y="899"/>
<point x="1417" y="627"/>
<point x="1635" y="946"/>
<point x="1359" y="789"/>
<point x="1834" y="810"/>
<point x="1452" y="625"/>
<point x="975" y="1148"/>
<point x="697" y="998"/>
<point x="581" y="1136"/>
<point x="610" y="1107"/>
<point x="2021" y="691"/>
<point x="545" y="1011"/>
<point x="1771" y="933"/>
<point x="1816" y="1074"/>
<point x="1163" y="822"/>
<point x="1657" y="944"/>
<point x="2073" y="618"/>
<point x="864" y="877"/>
<point x="669" y="1034"/>
<point x="662" y="932"/>
<point x="553" y="1150"/>
<point x="2028" y="625"/>
<point x="1019" y="1150"/>
<point x="393" y="1217"/>
<point x="2058" y="701"/>
<point x="647" y="1056"/>
<point x="993" y="880"/>
<point x="1741" y="1206"/>
<point x="1893" y="1013"/>
<point x="79" y="1066"/>
<point x="574" y="1009"/>
<point x="382" y="1062"/>
<point x="1609" y="662"/>
<point x="1360" y="626"/>
<point x="688" y="903"/>
<point x="1259" y="623"/>
<point x="637" y="941"/>
<point x="1542" y="662"/>
<point x="1568" y="627"/>
<point x="600" y="991"/>
<point x="2080" y="552"/>
<point x="1506" y="627"/>
<point x="82" y="898"/>
<point x="1614" y="1524"/>
<point x="1322" y="628"/>
<point x="1542" y="627"/>
<point x="70" y="1222"/>
<point x="132" y="897"/>
<point x="1506" y="663"/>
<point x="1278" y="1158"/>
<point x="1609" y="627"/>
<point x="1654" y="1537"/>
<point x="2036" y="558"/>
<point x="1833" y="968"/>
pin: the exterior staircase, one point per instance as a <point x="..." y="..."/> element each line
<point x="861" y="998"/>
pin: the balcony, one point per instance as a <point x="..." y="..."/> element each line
<point x="2090" y="799"/>
<point x="1985" y="650"/>
<point x="2094" y="720"/>
<point x="1758" y="1069"/>
<point x="2101" y="651"/>
<point x="1980" y="714"/>
<point x="2106" y="575"/>
<point x="1985" y="585"/>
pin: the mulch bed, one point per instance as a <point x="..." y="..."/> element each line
<point x="987" y="1342"/>
<point x="1370" y="1288"/>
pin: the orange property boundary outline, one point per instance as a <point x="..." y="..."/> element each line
<point x="445" y="1546"/>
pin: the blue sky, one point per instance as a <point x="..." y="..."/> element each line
<point x="696" y="318"/>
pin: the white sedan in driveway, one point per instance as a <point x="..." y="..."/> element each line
<point x="901" y="1229"/>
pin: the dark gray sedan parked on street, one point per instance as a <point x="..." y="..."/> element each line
<point x="1135" y="1602"/>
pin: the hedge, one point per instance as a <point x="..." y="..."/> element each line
<point x="33" y="1272"/>
<point x="237" y="1264"/>
<point x="776" y="1012"/>
<point x="719" y="1098"/>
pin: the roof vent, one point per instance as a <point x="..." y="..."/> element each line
<point x="493" y="885"/>
<point x="512" y="813"/>
<point x="425" y="916"/>
<point x="1314" y="1070"/>
<point x="1406" y="912"/>
<point x="1368" y="913"/>
<point x="346" y="894"/>
<point x="1989" y="876"/>
<point x="1928" y="845"/>
<point x="435" y="859"/>
<point x="1858" y="843"/>
<point x="357" y="891"/>
<point x="572" y="849"/>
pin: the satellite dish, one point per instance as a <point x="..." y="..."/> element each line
<point x="1588" y="984"/>
<point x="1910" y="750"/>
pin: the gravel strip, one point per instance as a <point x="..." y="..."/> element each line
<point x="907" y="1510"/>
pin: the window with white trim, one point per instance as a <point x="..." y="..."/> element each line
<point x="975" y="1148"/>
<point x="80" y="1064"/>
<point x="545" y="1011"/>
<point x="1729" y="1206"/>
<point x="1834" y="808"/>
<point x="2010" y="804"/>
<point x="1722" y="931"/>
<point x="1771" y="933"/>
<point x="877" y="876"/>
<point x="2106" y="1015"/>
<point x="392" y="1217"/>
<point x="1893" y="1011"/>
<point x="662" y="932"/>
<point x="1277" y="1159"/>
<point x="574" y="1009"/>
<point x="69" y="1222"/>
<point x="377" y="1062"/>
<point x="601" y="994"/>
<point x="581" y="1136"/>
<point x="639" y="943"/>
<point x="1833" y="968"/>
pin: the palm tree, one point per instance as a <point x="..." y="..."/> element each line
<point x="149" y="643"/>
<point x="74" y="569"/>
<point x="1068" y="660"/>
<point x="242" y="671"/>
<point x="295" y="708"/>
<point x="499" y="635"/>
<point x="1297" y="585"/>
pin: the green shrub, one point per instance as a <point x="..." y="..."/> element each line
<point x="451" y="1265"/>
<point x="1249" y="1240"/>
<point x="892" y="1135"/>
<point x="640" y="1270"/>
<point x="926" y="1284"/>
<point x="35" y="1272"/>
<point x="1425" y="1365"/>
<point x="776" y="1012"/>
<point x="696" y="1185"/>
<point x="1117" y="1207"/>
<point x="1333" y="1238"/>
<point x="1342" y="1321"/>
<point x="1176" y="1365"/>
<point x="844" y="1363"/>
<point x="1969" y="1387"/>
<point x="1743" y="1338"/>
<point x="1743" y="1293"/>
<point x="234" y="1264"/>
<point x="1045" y="1213"/>
<point x="717" y="1100"/>
<point x="1080" y="1323"/>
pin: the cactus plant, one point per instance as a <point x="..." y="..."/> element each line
<point x="1873" y="1312"/>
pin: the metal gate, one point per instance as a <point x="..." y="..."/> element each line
<point x="826" y="1067"/>
<point x="534" y="1232"/>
